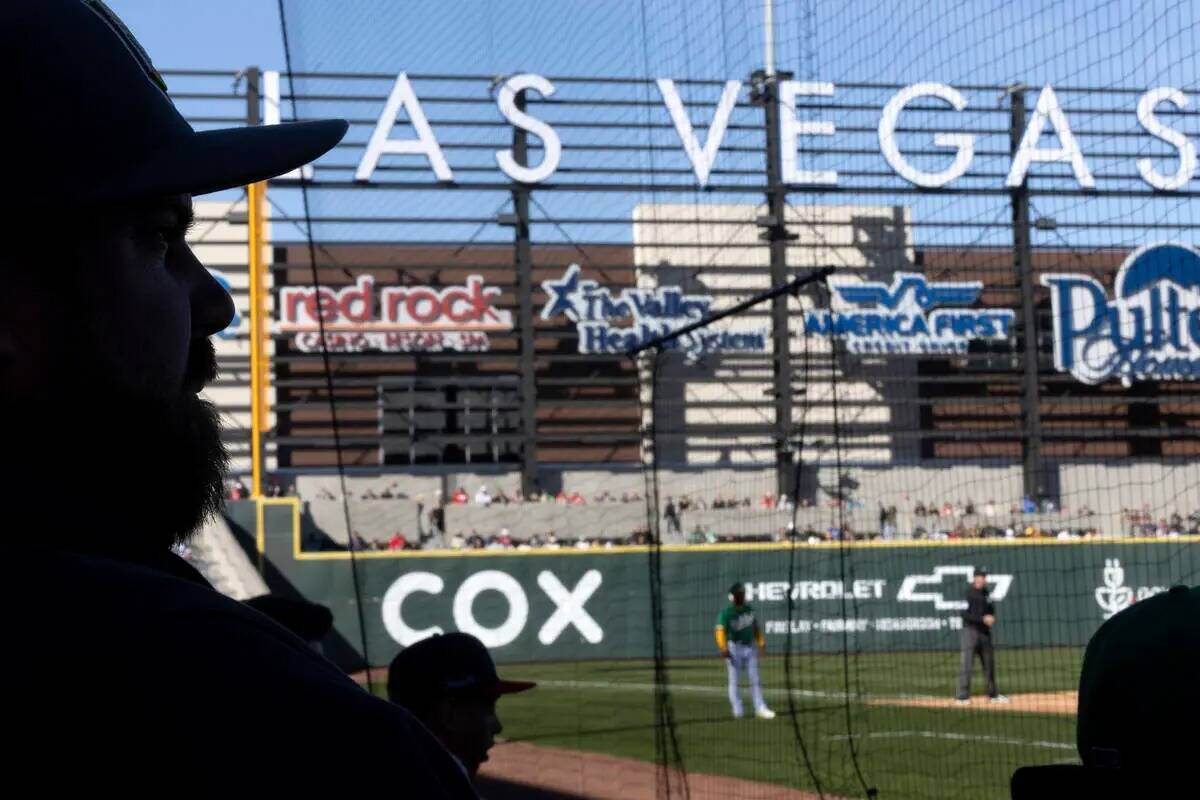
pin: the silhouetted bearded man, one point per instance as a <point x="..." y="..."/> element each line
<point x="125" y="671"/>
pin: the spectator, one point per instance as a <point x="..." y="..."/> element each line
<point x="1028" y="506"/>
<point x="449" y="682"/>
<point x="671" y="516"/>
<point x="1137" y="703"/>
<point x="552" y="541"/>
<point x="576" y="499"/>
<point x="482" y="498"/>
<point x="505" y="539"/>
<point x="457" y="541"/>
<point x="107" y="348"/>
<point x="397" y="542"/>
<point x="887" y="521"/>
<point x="459" y="498"/>
<point x="989" y="509"/>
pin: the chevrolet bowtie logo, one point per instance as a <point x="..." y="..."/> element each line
<point x="929" y="588"/>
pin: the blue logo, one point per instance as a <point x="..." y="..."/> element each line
<point x="231" y="331"/>
<point x="1150" y="329"/>
<point x="615" y="323"/>
<point x="909" y="316"/>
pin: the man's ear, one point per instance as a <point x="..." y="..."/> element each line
<point x="443" y="715"/>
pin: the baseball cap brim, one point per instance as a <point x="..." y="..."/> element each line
<point x="1056" y="781"/>
<point x="512" y="687"/>
<point x="209" y="161"/>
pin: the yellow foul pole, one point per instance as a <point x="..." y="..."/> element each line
<point x="259" y="335"/>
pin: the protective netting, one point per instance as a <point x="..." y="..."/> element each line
<point x="998" y="371"/>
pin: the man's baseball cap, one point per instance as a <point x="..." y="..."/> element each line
<point x="980" y="571"/>
<point x="443" y="665"/>
<point x="1138" y="702"/>
<point x="89" y="120"/>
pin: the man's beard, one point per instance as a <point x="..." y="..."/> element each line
<point x="112" y="471"/>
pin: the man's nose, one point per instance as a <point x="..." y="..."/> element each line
<point x="212" y="305"/>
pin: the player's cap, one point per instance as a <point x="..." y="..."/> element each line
<point x="1138" y="698"/>
<point x="981" y="571"/>
<point x="737" y="588"/>
<point x="446" y="664"/>
<point x="90" y="120"/>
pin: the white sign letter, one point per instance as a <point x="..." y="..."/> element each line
<point x="790" y="128"/>
<point x="569" y="607"/>
<point x="393" y="602"/>
<point x="1178" y="140"/>
<point x="702" y="158"/>
<point x="964" y="143"/>
<point x="1049" y="109"/>
<point x="507" y="102"/>
<point x="496" y="581"/>
<point x="271" y="112"/>
<point x="426" y="144"/>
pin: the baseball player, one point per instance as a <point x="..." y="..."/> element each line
<point x="740" y="640"/>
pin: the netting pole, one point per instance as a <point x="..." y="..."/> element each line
<point x="523" y="255"/>
<point x="1031" y="411"/>
<point x="775" y="232"/>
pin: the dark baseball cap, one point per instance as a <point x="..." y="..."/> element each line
<point x="1138" y="702"/>
<point x="980" y="571"/>
<point x="89" y="120"/>
<point x="446" y="664"/>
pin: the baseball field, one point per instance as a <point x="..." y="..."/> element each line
<point x="896" y="729"/>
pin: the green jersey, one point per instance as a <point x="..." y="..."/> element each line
<point x="738" y="622"/>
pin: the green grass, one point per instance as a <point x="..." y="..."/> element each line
<point x="953" y="753"/>
<point x="904" y="752"/>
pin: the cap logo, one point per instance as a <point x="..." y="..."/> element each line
<point x="123" y="33"/>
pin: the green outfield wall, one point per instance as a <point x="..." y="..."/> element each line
<point x="569" y="605"/>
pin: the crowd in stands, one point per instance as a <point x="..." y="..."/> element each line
<point x="947" y="520"/>
<point x="1141" y="522"/>
<point x="235" y="489"/>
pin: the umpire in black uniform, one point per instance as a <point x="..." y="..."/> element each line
<point x="978" y="621"/>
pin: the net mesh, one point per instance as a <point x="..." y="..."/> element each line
<point x="950" y="397"/>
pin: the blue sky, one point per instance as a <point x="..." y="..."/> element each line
<point x="205" y="34"/>
<point x="1130" y="43"/>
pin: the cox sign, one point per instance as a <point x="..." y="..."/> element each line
<point x="569" y="607"/>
